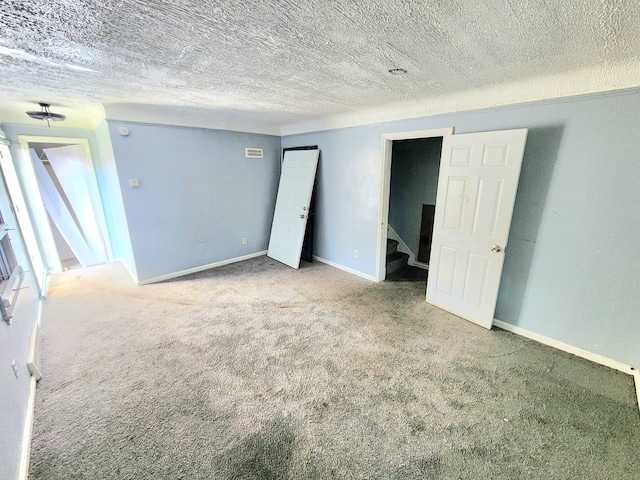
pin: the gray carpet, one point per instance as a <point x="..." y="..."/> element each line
<point x="258" y="371"/>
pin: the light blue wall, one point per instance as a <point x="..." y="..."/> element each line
<point x="347" y="194"/>
<point x="109" y="185"/>
<point x="571" y="268"/>
<point x="199" y="195"/>
<point x="14" y="344"/>
<point x="414" y="181"/>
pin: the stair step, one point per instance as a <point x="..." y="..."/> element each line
<point x="396" y="261"/>
<point x="392" y="246"/>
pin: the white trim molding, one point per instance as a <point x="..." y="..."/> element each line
<point x="201" y="268"/>
<point x="565" y="347"/>
<point x="126" y="267"/>
<point x="185" y="117"/>
<point x="25" y="456"/>
<point x="636" y="376"/>
<point x="578" y="352"/>
<point x="385" y="184"/>
<point x="402" y="246"/>
<point x="345" y="269"/>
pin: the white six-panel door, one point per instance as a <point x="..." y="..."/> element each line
<point x="477" y="186"/>
<point x="292" y="206"/>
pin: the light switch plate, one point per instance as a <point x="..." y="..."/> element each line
<point x="134" y="182"/>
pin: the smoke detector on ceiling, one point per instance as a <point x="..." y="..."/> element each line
<point x="46" y="114"/>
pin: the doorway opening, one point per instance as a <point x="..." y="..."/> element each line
<point x="410" y="167"/>
<point x="415" y="165"/>
<point x="67" y="256"/>
<point x="63" y="196"/>
<point x="477" y="184"/>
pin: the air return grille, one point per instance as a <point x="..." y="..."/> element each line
<point x="253" y="153"/>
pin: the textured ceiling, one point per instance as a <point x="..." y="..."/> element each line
<point x="276" y="62"/>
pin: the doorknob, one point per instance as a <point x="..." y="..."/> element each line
<point x="496" y="249"/>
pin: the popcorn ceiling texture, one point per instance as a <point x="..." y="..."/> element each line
<point x="283" y="61"/>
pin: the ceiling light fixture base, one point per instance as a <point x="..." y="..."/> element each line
<point x="46" y="114"/>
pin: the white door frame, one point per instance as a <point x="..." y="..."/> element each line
<point x="385" y="188"/>
<point x="23" y="219"/>
<point x="49" y="242"/>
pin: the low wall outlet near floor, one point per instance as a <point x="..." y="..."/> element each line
<point x="355" y="253"/>
<point x="244" y="241"/>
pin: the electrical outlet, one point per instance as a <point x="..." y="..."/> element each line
<point x="244" y="240"/>
<point x="355" y="253"/>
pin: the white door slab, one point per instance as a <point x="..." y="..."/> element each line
<point x="477" y="186"/>
<point x="60" y="214"/>
<point x="72" y="169"/>
<point x="292" y="206"/>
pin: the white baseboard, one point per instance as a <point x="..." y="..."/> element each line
<point x="180" y="273"/>
<point x="424" y="266"/>
<point x="126" y="267"/>
<point x="578" y="352"/>
<point x="25" y="456"/>
<point x="636" y="376"/>
<point x="345" y="269"/>
<point x="565" y="347"/>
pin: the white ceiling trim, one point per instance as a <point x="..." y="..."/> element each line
<point x="585" y="81"/>
<point x="186" y="117"/>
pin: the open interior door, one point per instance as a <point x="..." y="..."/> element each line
<point x="61" y="215"/>
<point x="72" y="171"/>
<point x="477" y="186"/>
<point x="292" y="206"/>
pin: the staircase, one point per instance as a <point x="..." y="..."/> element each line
<point x="396" y="260"/>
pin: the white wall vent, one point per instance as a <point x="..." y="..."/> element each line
<point x="253" y="153"/>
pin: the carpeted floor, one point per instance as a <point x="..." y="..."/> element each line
<point x="258" y="371"/>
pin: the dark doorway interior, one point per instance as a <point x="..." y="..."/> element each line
<point x="426" y="233"/>
<point x="415" y="165"/>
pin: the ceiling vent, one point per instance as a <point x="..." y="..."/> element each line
<point x="253" y="153"/>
